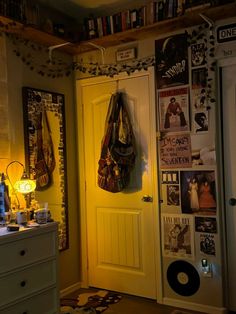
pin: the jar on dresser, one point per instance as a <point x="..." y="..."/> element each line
<point x="29" y="270"/>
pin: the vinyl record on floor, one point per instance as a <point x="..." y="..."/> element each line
<point x="183" y="278"/>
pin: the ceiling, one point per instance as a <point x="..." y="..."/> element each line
<point x="79" y="9"/>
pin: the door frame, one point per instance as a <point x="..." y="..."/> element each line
<point x="81" y="173"/>
<point x="221" y="63"/>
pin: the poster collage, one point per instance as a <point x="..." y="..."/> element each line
<point x="188" y="192"/>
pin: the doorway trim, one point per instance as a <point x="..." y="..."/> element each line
<point x="81" y="175"/>
<point x="221" y="63"/>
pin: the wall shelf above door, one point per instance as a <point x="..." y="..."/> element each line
<point x="189" y="19"/>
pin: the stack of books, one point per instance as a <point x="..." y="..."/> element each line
<point x="154" y="11"/>
<point x="13" y="9"/>
<point x="20" y="10"/>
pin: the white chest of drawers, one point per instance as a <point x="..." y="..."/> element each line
<point x="29" y="271"/>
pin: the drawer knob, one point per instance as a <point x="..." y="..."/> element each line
<point x="23" y="283"/>
<point x="22" y="252"/>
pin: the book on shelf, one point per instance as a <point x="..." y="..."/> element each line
<point x="134" y="19"/>
<point x="180" y="7"/>
<point x="3" y="6"/>
<point x="160" y="11"/>
<point x="104" y="26"/>
<point x="14" y="9"/>
<point x="90" y="27"/>
<point x="125" y="20"/>
<point x="142" y="16"/>
<point x="154" y="11"/>
<point x="99" y="27"/>
<point x="191" y="5"/>
<point x="117" y="22"/>
<point x="109" y="23"/>
<point x="151" y="13"/>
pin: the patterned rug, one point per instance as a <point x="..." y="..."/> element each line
<point x="89" y="303"/>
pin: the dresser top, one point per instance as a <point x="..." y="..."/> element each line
<point x="26" y="231"/>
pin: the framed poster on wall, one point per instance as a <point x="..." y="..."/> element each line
<point x="45" y="153"/>
<point x="177" y="236"/>
<point x="173" y="105"/>
<point x="171" y="61"/>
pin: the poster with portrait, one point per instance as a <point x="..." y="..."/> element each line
<point x="198" y="91"/>
<point x="177" y="236"/>
<point x="198" y="54"/>
<point x="171" y="61"/>
<point x="198" y="192"/>
<point x="174" y="109"/>
<point x="175" y="151"/>
<point x="173" y="195"/>
<point x="200" y="122"/>
<point x="207" y="244"/>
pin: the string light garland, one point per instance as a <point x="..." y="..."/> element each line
<point x="116" y="68"/>
<point x="37" y="57"/>
<point x="205" y="33"/>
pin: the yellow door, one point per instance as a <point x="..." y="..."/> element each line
<point x="122" y="228"/>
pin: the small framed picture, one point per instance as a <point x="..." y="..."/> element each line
<point x="198" y="54"/>
<point x="200" y="122"/>
<point x="173" y="195"/>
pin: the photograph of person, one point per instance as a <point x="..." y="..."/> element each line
<point x="207" y="244"/>
<point x="198" y="194"/>
<point x="200" y="100"/>
<point x="201" y="122"/>
<point x="174" y="113"/>
<point x="173" y="195"/>
<point x="199" y="92"/>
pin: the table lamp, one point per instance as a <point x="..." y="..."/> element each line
<point x="24" y="186"/>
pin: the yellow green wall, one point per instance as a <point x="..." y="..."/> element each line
<point x="18" y="76"/>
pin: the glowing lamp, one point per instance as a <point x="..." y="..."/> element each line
<point x="24" y="185"/>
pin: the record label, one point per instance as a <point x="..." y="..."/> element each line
<point x="183" y="278"/>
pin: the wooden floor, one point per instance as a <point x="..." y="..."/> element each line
<point x="136" y="305"/>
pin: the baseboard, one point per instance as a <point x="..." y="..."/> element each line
<point x="195" y="306"/>
<point x="70" y="289"/>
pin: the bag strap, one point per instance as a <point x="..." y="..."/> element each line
<point x="111" y="119"/>
<point x="118" y="106"/>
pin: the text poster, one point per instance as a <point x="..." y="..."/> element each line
<point x="175" y="151"/>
